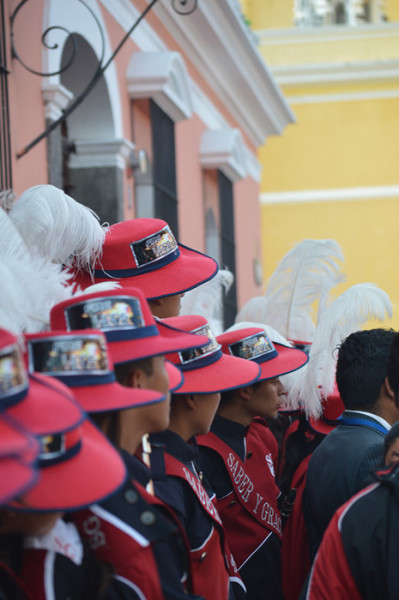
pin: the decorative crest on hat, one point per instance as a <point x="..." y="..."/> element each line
<point x="69" y="355"/>
<point x="109" y="313"/>
<point x="13" y="379"/>
<point x="188" y="356"/>
<point x="154" y="247"/>
<point x="254" y="347"/>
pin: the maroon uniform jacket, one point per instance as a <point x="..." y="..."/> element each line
<point x="295" y="558"/>
<point x="248" y="506"/>
<point x="144" y="547"/>
<point x="212" y="565"/>
<point x="359" y="555"/>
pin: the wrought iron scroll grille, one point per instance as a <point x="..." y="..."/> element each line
<point x="183" y="7"/>
<point x="5" y="143"/>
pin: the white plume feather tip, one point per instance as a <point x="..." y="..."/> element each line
<point x="55" y="226"/>
<point x="207" y="299"/>
<point x="352" y="309"/>
<point x="306" y="274"/>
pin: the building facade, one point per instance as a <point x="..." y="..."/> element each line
<point x="162" y="120"/>
<point x="334" y="172"/>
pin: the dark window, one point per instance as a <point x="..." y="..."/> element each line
<point x="5" y="144"/>
<point x="228" y="244"/>
<point x="164" y="167"/>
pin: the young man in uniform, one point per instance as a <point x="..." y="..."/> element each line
<point x="344" y="461"/>
<point x="142" y="541"/>
<point x="206" y="372"/>
<point x="239" y="455"/>
<point x="357" y="559"/>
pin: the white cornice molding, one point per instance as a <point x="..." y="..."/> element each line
<point x="163" y="77"/>
<point x="317" y="35"/>
<point x="224" y="150"/>
<point x="331" y="195"/>
<point x="342" y="72"/>
<point x="56" y="98"/>
<point x="344" y="97"/>
<point x="101" y="153"/>
<point x="214" y="36"/>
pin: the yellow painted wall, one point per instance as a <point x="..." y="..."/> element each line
<point x="334" y="145"/>
<point x="366" y="231"/>
<point x="268" y="14"/>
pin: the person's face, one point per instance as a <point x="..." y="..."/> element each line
<point x="28" y="523"/>
<point x="169" y="306"/>
<point x="207" y="407"/>
<point x="266" y="398"/>
<point x="392" y="455"/>
<point x="150" y="418"/>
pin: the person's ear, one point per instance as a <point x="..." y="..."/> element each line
<point x="136" y="378"/>
<point x="191" y="401"/>
<point x="388" y="390"/>
<point x="245" y="392"/>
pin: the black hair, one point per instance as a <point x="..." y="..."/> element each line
<point x="393" y="367"/>
<point x="362" y="367"/>
<point x="226" y="397"/>
<point x="109" y="423"/>
<point x="391" y="436"/>
<point x="122" y="370"/>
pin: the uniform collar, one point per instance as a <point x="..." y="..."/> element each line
<point x="370" y="416"/>
<point x="175" y="445"/>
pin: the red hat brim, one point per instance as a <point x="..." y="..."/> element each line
<point x="93" y="474"/>
<point x="226" y="373"/>
<point x="189" y="270"/>
<point x="287" y="361"/>
<point x="49" y="405"/>
<point x="16" y="478"/>
<point x="113" y="396"/>
<point x="14" y="441"/>
<point x="321" y="426"/>
<point x="176" y="377"/>
<point x="169" y="340"/>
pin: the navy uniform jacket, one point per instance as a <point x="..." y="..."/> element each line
<point x="144" y="547"/>
<point x="341" y="466"/>
<point x="198" y="524"/>
<point x="359" y="555"/>
<point x="261" y="572"/>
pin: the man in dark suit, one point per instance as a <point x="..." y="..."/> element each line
<point x="343" y="463"/>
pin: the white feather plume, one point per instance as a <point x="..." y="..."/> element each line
<point x="305" y="274"/>
<point x="346" y="314"/>
<point x="207" y="299"/>
<point x="55" y="226"/>
<point x="31" y="286"/>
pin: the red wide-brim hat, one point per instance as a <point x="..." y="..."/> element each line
<point x="81" y="361"/>
<point x="89" y="471"/>
<point x="125" y="318"/>
<point x="144" y="253"/>
<point x="16" y="477"/>
<point x="253" y="344"/>
<point x="48" y="405"/>
<point x="15" y="441"/>
<point x="206" y="369"/>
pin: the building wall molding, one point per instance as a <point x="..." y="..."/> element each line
<point x="343" y="97"/>
<point x="224" y="150"/>
<point x="354" y="71"/>
<point x="101" y="153"/>
<point x="56" y="97"/>
<point x="331" y="195"/>
<point x="202" y="57"/>
<point x="333" y="33"/>
<point x="163" y="77"/>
